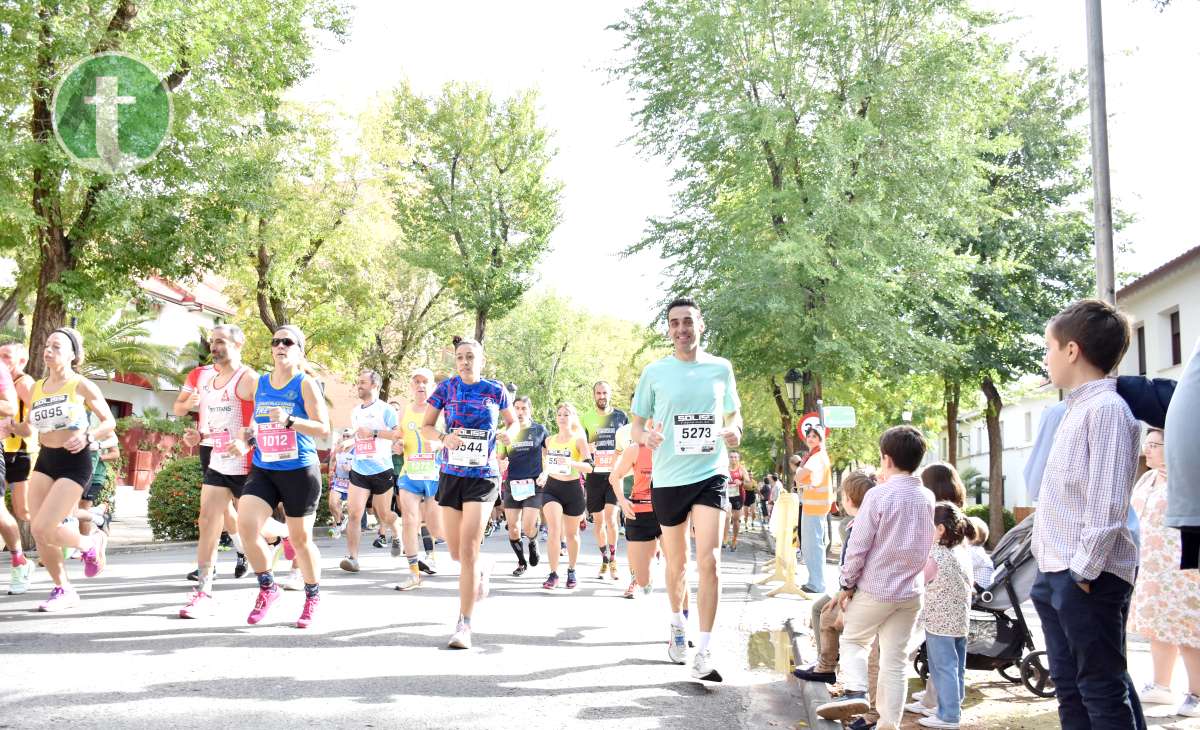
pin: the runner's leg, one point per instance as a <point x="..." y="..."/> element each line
<point x="573" y="540"/>
<point x="708" y="563"/>
<point x="554" y="525"/>
<point x="308" y="557"/>
<point x="356" y="505"/>
<point x="254" y="513"/>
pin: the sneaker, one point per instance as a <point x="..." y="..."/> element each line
<point x="603" y="569"/>
<point x="19" y="578"/>
<point x="427" y="567"/>
<point x="349" y="564"/>
<point x="225" y="543"/>
<point x="381" y="541"/>
<point x="199" y="605"/>
<point x="918" y="695"/>
<point x="677" y="645"/>
<point x="266" y="596"/>
<point x="60" y="599"/>
<point x="551" y="582"/>
<point x="295" y="581"/>
<point x="520" y="571"/>
<point x="861" y="723"/>
<point x="1190" y="706"/>
<point x="1153" y="694"/>
<point x="631" y="591"/>
<point x="845" y="707"/>
<point x="648" y="589"/>
<point x="100" y="517"/>
<point x="241" y="567"/>
<point x="289" y="552"/>
<point x="571" y="582"/>
<point x="462" y="636"/>
<point x="95" y="559"/>
<point x="310" y="607"/>
<point x="612" y="570"/>
<point x="702" y="667"/>
<point x="935" y="721"/>
<point x="194" y="576"/>
<point x="918" y="708"/>
<point x="491" y="527"/>
<point x="413" y="582"/>
<point x="397" y="548"/>
<point x="806" y="588"/>
<point x="810" y="674"/>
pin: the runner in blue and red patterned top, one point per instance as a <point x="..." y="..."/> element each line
<point x="470" y="475"/>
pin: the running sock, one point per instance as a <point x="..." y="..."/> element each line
<point x="426" y="539"/>
<point x="265" y="580"/>
<point x="604" y="553"/>
<point x="678" y="619"/>
<point x="18" y="558"/>
<point x="466" y="620"/>
<point x="237" y="544"/>
<point x="413" y="564"/>
<point x="612" y="550"/>
<point x="207" y="574"/>
<point x="311" y="590"/>
<point x="516" y="547"/>
<point x="685" y="614"/>
<point x="705" y="637"/>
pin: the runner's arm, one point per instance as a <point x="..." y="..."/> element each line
<point x="512" y="427"/>
<point x="94" y="400"/>
<point x="247" y="385"/>
<point x="623" y="466"/>
<point x="8" y="403"/>
<point x="314" y="404"/>
<point x="430" y="432"/>
<point x="24" y="387"/>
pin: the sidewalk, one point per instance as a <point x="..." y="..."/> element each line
<point x="130" y="531"/>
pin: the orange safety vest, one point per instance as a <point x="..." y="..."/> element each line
<point x="817" y="498"/>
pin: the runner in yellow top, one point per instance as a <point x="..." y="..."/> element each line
<point x="58" y="410"/>
<point x="566" y="459"/>
<point x="418" y="481"/>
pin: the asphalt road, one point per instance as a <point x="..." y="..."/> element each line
<point x="582" y="658"/>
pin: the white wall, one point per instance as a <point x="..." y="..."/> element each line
<point x="1151" y="306"/>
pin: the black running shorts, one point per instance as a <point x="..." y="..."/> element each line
<point x="454" y="490"/>
<point x="672" y="505"/>
<point x="376" y="484"/>
<point x="569" y="495"/>
<point x="62" y="464"/>
<point x="298" y="489"/>
<point x="233" y="482"/>
<point x="642" y="528"/>
<point x="599" y="492"/>
<point x="17" y="466"/>
<point x="532" y="502"/>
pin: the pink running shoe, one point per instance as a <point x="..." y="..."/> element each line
<point x="60" y="599"/>
<point x="310" y="607"/>
<point x="266" y="596"/>
<point x="289" y="552"/>
<point x="95" y="559"/>
<point x="200" y="605"/>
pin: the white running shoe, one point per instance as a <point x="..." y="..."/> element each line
<point x="919" y="709"/>
<point x="677" y="645"/>
<point x="462" y="636"/>
<point x="200" y="605"/>
<point x="935" y="721"/>
<point x="414" y="581"/>
<point x="918" y="695"/>
<point x="1190" y="706"/>
<point x="20" y="577"/>
<point x="702" y="667"/>
<point x="1153" y="694"/>
<point x="295" y="581"/>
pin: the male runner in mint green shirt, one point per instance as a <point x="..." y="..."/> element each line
<point x="686" y="409"/>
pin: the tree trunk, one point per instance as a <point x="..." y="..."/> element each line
<point x="812" y="390"/>
<point x="50" y="312"/>
<point x="952" y="397"/>
<point x="9" y="307"/>
<point x="785" y="423"/>
<point x="995" y="460"/>
<point x="481" y="316"/>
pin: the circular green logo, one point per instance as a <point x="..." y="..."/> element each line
<point x="111" y="112"/>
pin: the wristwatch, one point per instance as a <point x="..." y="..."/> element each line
<point x="288" y="423"/>
<point x="375" y="434"/>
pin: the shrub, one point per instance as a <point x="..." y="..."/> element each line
<point x="174" y="505"/>
<point x="152" y="423"/>
<point x="983" y="512"/>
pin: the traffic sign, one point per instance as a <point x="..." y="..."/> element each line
<point x="840" y="417"/>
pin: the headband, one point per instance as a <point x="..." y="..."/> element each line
<point x="297" y="335"/>
<point x="71" y="337"/>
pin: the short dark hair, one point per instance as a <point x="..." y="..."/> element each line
<point x="1102" y="332"/>
<point x="524" y="399"/>
<point x="944" y="482"/>
<point x="376" y="380"/>
<point x="950" y="517"/>
<point x="905" y="445"/>
<point x="681" y="302"/>
<point x="855" y="487"/>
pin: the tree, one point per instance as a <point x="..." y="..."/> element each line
<point x="1033" y="253"/>
<point x="95" y="233"/>
<point x="472" y="195"/>
<point x="826" y="157"/>
<point x="116" y="342"/>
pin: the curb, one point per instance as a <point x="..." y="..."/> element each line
<point x="810" y="695"/>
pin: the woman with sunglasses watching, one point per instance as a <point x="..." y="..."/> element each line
<point x="58" y="411"/>
<point x="289" y="415"/>
<point x="469" y="478"/>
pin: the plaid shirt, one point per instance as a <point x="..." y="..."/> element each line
<point x="1081" y="523"/>
<point x="893" y="533"/>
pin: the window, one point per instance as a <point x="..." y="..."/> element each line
<point x="1028" y="426"/>
<point x="1141" y="349"/>
<point x="1176" y="345"/>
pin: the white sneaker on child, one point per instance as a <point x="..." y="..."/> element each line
<point x="920" y="709"/>
<point x="1153" y="694"/>
<point x="935" y="721"/>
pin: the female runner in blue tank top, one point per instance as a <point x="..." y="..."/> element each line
<point x="470" y="476"/>
<point x="289" y="414"/>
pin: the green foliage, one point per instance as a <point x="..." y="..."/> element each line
<point x="468" y="176"/>
<point x="982" y="511"/>
<point x="116" y="342"/>
<point x="153" y="423"/>
<point x="174" y="505"/>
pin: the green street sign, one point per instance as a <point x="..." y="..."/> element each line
<point x="840" y="417"/>
<point x="111" y="113"/>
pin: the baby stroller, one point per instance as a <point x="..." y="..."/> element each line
<point x="999" y="638"/>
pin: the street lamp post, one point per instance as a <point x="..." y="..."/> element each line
<point x="794" y="382"/>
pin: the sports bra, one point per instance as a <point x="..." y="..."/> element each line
<point x="60" y="409"/>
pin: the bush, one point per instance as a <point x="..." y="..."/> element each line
<point x="174" y="505"/>
<point x="983" y="512"/>
<point x="152" y="423"/>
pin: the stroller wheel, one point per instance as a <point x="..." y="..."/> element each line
<point x="1011" y="672"/>
<point x="1035" y="674"/>
<point x="921" y="664"/>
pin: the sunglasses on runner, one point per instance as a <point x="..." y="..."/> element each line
<point x="285" y="341"/>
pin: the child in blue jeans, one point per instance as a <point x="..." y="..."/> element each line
<point x="946" y="616"/>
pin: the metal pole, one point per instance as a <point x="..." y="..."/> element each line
<point x="1105" y="277"/>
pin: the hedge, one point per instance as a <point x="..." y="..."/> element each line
<point x="983" y="512"/>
